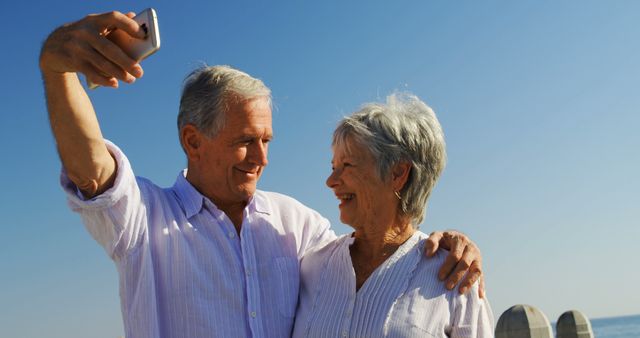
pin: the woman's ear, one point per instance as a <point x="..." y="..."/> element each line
<point x="400" y="175"/>
<point x="190" y="138"/>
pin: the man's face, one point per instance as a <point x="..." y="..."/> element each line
<point x="231" y="163"/>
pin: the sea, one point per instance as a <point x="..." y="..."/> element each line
<point x="615" y="327"/>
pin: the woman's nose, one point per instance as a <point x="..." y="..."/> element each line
<point x="332" y="180"/>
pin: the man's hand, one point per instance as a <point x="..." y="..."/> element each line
<point x="464" y="257"/>
<point x="82" y="47"/>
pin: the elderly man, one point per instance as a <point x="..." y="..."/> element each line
<point x="212" y="255"/>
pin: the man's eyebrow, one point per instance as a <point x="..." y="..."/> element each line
<point x="250" y="136"/>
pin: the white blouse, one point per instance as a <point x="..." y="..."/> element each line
<point x="403" y="297"/>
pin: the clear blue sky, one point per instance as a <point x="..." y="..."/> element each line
<point x="539" y="101"/>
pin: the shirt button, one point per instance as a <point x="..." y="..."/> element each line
<point x="232" y="235"/>
<point x="344" y="333"/>
<point x="253" y="314"/>
<point x="248" y="273"/>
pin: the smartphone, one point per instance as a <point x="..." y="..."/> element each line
<point x="137" y="49"/>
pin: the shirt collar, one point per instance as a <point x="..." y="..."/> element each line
<point x="192" y="200"/>
<point x="260" y="203"/>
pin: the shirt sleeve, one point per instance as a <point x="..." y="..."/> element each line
<point x="317" y="234"/>
<point x="323" y="234"/>
<point x="472" y="315"/>
<point x="116" y="218"/>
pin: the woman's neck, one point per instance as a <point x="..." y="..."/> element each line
<point x="373" y="247"/>
<point x="379" y="244"/>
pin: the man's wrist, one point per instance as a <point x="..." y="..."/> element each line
<point x="54" y="78"/>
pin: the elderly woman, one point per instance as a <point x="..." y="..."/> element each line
<point x="374" y="282"/>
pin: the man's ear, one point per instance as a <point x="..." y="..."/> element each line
<point x="400" y="175"/>
<point x="191" y="138"/>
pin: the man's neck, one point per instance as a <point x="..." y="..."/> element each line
<point x="233" y="209"/>
<point x="234" y="212"/>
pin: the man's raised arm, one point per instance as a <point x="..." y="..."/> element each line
<point x="81" y="47"/>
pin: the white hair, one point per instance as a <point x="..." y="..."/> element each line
<point x="208" y="92"/>
<point x="404" y="129"/>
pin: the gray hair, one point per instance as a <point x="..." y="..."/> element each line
<point x="404" y="129"/>
<point x="208" y="92"/>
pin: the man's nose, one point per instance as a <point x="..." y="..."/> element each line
<point x="258" y="153"/>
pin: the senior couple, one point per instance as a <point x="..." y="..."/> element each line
<point x="212" y="256"/>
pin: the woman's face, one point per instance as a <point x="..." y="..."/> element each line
<point x="365" y="199"/>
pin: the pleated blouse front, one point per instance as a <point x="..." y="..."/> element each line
<point x="402" y="298"/>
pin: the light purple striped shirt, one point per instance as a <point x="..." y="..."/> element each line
<point x="185" y="272"/>
<point x="402" y="298"/>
